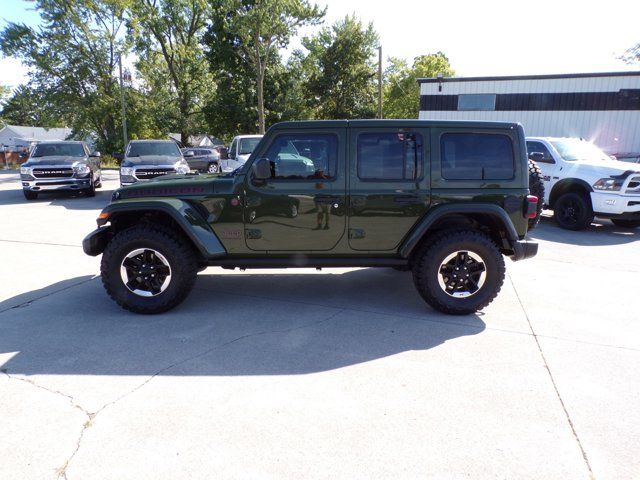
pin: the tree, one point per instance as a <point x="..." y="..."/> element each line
<point x="339" y="71"/>
<point x="252" y="30"/>
<point x="31" y="107"/>
<point x="632" y="55"/>
<point x="401" y="91"/>
<point x="72" y="56"/>
<point x="172" y="64"/>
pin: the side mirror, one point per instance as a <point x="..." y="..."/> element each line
<point x="190" y="153"/>
<point x="536" y="156"/>
<point x="96" y="154"/>
<point x="224" y="153"/>
<point x="262" y="169"/>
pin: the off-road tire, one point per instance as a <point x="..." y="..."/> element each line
<point x="427" y="263"/>
<point x="213" y="168"/>
<point x="536" y="187"/>
<point x="626" y="223"/>
<point x="29" y="195"/>
<point x="177" y="251"/>
<point x="572" y="211"/>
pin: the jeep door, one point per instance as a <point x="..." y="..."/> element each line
<point x="301" y="207"/>
<point x="388" y="185"/>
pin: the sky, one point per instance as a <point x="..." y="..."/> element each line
<point x="488" y="37"/>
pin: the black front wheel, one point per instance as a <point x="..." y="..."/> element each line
<point x="459" y="272"/>
<point x="626" y="223"/>
<point x="29" y="195"/>
<point x="148" y="269"/>
<point x="572" y="211"/>
<point x="91" y="190"/>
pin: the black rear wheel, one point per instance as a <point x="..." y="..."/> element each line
<point x="536" y="187"/>
<point x="626" y="223"/>
<point x="148" y="269"/>
<point x="213" y="168"/>
<point x="459" y="272"/>
<point x="572" y="211"/>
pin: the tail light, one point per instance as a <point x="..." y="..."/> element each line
<point x="531" y="207"/>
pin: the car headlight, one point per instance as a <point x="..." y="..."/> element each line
<point x="26" y="170"/>
<point x="81" y="169"/>
<point x="182" y="168"/>
<point x="608" y="184"/>
<point x="126" y="171"/>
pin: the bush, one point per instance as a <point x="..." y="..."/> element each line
<point x="108" y="161"/>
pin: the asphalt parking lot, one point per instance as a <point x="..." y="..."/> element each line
<point x="344" y="373"/>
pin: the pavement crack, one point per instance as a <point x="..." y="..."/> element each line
<point x="553" y="382"/>
<point x="61" y="472"/>
<point x="33" y="300"/>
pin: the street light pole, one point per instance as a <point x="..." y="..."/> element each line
<point x="124" y="113"/>
<point x="380" y="81"/>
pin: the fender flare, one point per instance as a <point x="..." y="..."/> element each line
<point x="413" y="239"/>
<point x="183" y="213"/>
<point x="566" y="183"/>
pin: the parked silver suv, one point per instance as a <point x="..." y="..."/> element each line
<point x="62" y="165"/>
<point x="147" y="159"/>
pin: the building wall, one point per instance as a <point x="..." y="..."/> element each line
<point x="611" y="118"/>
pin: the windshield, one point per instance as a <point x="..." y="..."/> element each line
<point x="248" y="145"/>
<point x="574" y="149"/>
<point x="58" y="149"/>
<point x="141" y="149"/>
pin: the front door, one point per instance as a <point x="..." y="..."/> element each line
<point x="302" y="206"/>
<point x="547" y="165"/>
<point x="388" y="185"/>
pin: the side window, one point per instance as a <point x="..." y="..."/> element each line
<point x="541" y="148"/>
<point x="476" y="156"/>
<point x="389" y="156"/>
<point x="232" y="149"/>
<point x="303" y="156"/>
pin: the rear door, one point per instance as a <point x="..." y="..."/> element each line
<point x="388" y="185"/>
<point x="302" y="206"/>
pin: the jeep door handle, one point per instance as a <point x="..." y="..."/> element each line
<point x="407" y="199"/>
<point x="329" y="200"/>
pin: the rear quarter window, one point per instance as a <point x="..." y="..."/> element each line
<point x="477" y="156"/>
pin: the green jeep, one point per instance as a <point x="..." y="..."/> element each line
<point x="445" y="200"/>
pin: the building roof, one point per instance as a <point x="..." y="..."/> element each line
<point x="35" y="133"/>
<point x="531" y="77"/>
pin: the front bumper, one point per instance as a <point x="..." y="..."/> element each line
<point x="613" y="204"/>
<point x="50" y="184"/>
<point x="523" y="249"/>
<point x="95" y="243"/>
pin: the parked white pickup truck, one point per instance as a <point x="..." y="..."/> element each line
<point x="581" y="182"/>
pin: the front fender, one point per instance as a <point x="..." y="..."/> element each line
<point x="192" y="224"/>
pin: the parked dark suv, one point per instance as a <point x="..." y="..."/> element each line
<point x="446" y="200"/>
<point x="63" y="165"/>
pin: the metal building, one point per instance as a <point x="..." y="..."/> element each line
<point x="601" y="107"/>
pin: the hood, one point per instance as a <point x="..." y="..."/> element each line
<point x="53" y="160"/>
<point x="243" y="158"/>
<point x="153" y="160"/>
<point x="177" y="186"/>
<point x="600" y="168"/>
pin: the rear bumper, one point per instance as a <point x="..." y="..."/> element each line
<point x="524" y="249"/>
<point x="95" y="243"/>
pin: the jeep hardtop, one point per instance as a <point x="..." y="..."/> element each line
<point x="446" y="200"/>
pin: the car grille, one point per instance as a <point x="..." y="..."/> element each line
<point x="53" y="172"/>
<point x="147" y="173"/>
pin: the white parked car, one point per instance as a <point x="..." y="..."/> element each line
<point x="581" y="182"/>
<point x="240" y="150"/>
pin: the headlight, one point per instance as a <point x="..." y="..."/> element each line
<point x="182" y="168"/>
<point x="608" y="184"/>
<point x="81" y="169"/>
<point x="26" y="170"/>
<point x="126" y="171"/>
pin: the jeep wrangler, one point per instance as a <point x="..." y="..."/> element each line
<point x="446" y="200"/>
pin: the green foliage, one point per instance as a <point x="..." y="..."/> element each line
<point x="244" y="35"/>
<point x="31" y="107"/>
<point x="339" y="72"/>
<point x="401" y="92"/>
<point x="72" y="56"/>
<point x="632" y="55"/>
<point x="177" y="82"/>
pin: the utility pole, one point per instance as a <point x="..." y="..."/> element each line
<point x="124" y="113"/>
<point x="380" y="81"/>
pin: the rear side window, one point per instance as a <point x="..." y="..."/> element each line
<point x="389" y="156"/>
<point x="476" y="156"/>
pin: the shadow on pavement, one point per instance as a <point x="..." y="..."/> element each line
<point x="601" y="232"/>
<point x="69" y="200"/>
<point x="248" y="324"/>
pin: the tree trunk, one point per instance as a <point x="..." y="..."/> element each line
<point x="260" y="88"/>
